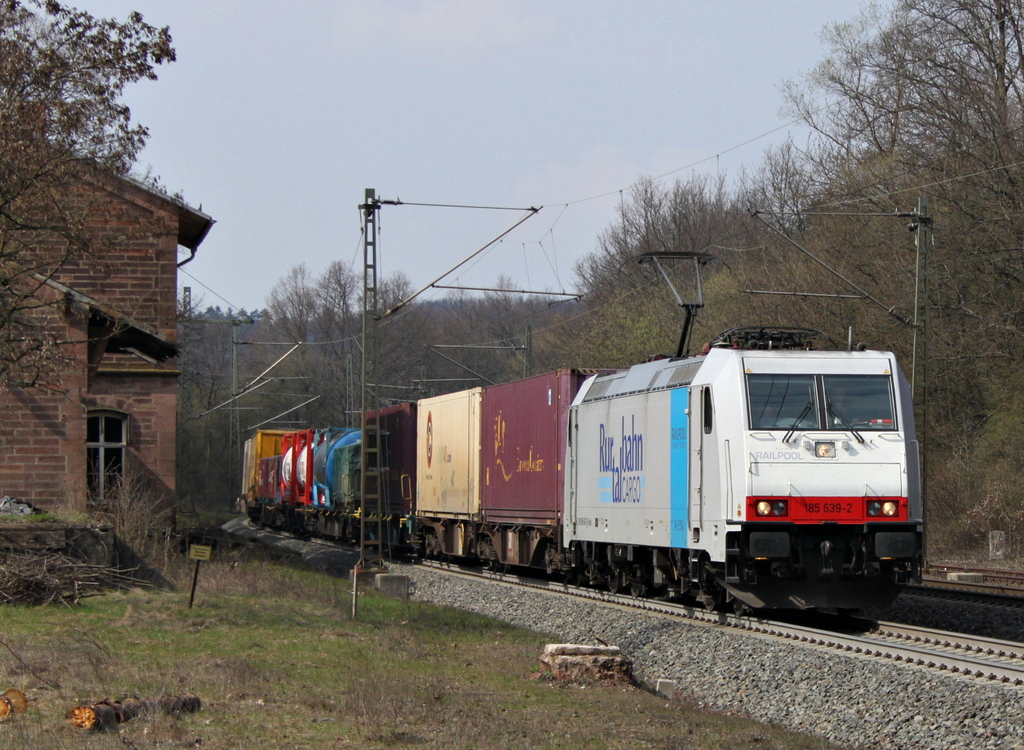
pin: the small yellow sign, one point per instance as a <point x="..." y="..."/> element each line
<point x="199" y="552"/>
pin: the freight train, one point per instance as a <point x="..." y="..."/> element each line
<point x="758" y="474"/>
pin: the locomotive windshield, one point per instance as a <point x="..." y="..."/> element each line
<point x="820" y="402"/>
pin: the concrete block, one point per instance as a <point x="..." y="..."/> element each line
<point x="997" y="545"/>
<point x="965" y="577"/>
<point x="366" y="577"/>
<point x="395" y="585"/>
<point x="666" y="688"/>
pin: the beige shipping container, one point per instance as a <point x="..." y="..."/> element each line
<point x="448" y="462"/>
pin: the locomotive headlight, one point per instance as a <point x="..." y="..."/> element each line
<point x="825" y="449"/>
<point x="889" y="509"/>
<point x="771" y="508"/>
<point x="874" y="508"/>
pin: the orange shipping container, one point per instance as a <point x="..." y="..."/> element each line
<point x="264" y="444"/>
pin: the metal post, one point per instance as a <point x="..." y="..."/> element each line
<point x="371" y="527"/>
<point x="350" y="419"/>
<point x="235" y="430"/>
<point x="529" y="350"/>
<point x="919" y="360"/>
<point x="195" y="582"/>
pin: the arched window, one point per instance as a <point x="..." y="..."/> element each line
<point x="106" y="441"/>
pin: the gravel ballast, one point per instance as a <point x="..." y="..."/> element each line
<point x="851" y="701"/>
<point x="848" y="700"/>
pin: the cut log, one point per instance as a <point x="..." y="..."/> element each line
<point x="106" y="713"/>
<point x="17" y="700"/>
<point x="12" y="702"/>
<point x="97" y="716"/>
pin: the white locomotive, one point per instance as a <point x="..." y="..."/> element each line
<point x="762" y="476"/>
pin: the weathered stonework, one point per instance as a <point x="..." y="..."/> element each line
<point x="128" y="279"/>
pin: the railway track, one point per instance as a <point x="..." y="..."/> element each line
<point x="1010" y="579"/>
<point x="987" y="659"/>
<point x="982" y="585"/>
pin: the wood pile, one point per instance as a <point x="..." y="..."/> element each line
<point x="106" y="714"/>
<point x="45" y="578"/>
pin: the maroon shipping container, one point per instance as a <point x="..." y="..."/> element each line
<point x="398" y="435"/>
<point x="522" y="456"/>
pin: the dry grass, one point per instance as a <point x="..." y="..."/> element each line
<point x="278" y="663"/>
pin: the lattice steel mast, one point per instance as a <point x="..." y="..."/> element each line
<point x="372" y="534"/>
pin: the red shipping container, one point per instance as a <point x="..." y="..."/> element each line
<point x="522" y="456"/>
<point x="398" y="436"/>
<point x="268" y="488"/>
<point x="297" y="467"/>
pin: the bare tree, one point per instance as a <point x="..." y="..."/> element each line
<point x="631" y="312"/>
<point x="928" y="98"/>
<point x="62" y="74"/>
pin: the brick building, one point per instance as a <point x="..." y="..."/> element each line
<point x="116" y="412"/>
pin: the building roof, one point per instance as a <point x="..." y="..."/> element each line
<point x="193" y="224"/>
<point x="128" y="335"/>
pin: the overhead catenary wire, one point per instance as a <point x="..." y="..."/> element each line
<point x="252" y="385"/>
<point x="286" y="411"/>
<point x="794" y="121"/>
<point x="891" y="309"/>
<point x="532" y="212"/>
<point x="803" y="118"/>
<point x="211" y="291"/>
<point x="400" y="202"/>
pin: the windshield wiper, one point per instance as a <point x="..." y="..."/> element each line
<point x="796" y="424"/>
<point x="842" y="420"/>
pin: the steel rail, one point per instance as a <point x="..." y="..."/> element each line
<point x="997" y="661"/>
<point x="988" y="659"/>
<point x="981" y="593"/>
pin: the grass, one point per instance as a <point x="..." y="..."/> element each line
<point x="278" y="662"/>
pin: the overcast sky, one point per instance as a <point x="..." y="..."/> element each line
<point x="277" y="116"/>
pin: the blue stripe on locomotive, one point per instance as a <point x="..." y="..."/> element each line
<point x="679" y="501"/>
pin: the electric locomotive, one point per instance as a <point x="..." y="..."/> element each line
<point x="760" y="477"/>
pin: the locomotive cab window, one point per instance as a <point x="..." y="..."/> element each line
<point x="820" y="402"/>
<point x="106" y="444"/>
<point x="859" y="402"/>
<point x="782" y="402"/>
<point x="709" y="413"/>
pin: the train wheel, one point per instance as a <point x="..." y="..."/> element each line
<point x="713" y="597"/>
<point x="742" y="608"/>
<point x="431" y="545"/>
<point x="618" y="581"/>
<point x="552" y="560"/>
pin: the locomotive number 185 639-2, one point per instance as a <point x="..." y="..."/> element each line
<point x="830" y="508"/>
